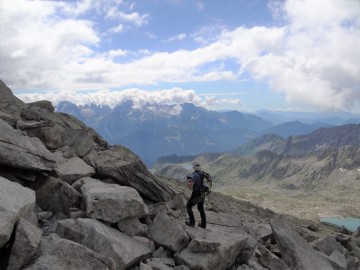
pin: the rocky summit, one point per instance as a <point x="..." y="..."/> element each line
<point x="69" y="200"/>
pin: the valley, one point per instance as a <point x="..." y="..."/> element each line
<point x="327" y="203"/>
<point x="293" y="176"/>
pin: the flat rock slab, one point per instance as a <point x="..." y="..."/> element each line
<point x="57" y="254"/>
<point x="72" y="169"/>
<point x="16" y="201"/>
<point x="203" y="245"/>
<point x="219" y="259"/>
<point x="123" y="249"/>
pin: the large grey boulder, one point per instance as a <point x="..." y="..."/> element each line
<point x="27" y="240"/>
<point x="270" y="260"/>
<point x="42" y="104"/>
<point x="127" y="169"/>
<point x="58" y="130"/>
<point x="327" y="245"/>
<point x="111" y="202"/>
<point x="123" y="249"/>
<point x="295" y="251"/>
<point x="81" y="140"/>
<point x="58" y="254"/>
<point x="166" y="232"/>
<point x="11" y="120"/>
<point x="260" y="231"/>
<point x="248" y="250"/>
<point x="8" y="102"/>
<point x="338" y="260"/>
<point x="132" y="226"/>
<point x="72" y="169"/>
<point x="219" y="259"/>
<point x="16" y="201"/>
<point x="203" y="245"/>
<point x="55" y="195"/>
<point x="23" y="152"/>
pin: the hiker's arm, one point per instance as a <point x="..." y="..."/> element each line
<point x="208" y="176"/>
<point x="190" y="182"/>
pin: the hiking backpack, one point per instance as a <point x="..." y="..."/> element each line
<point x="206" y="186"/>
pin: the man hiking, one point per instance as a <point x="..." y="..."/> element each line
<point x="196" y="180"/>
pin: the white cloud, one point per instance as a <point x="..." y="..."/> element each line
<point x="133" y="17"/>
<point x="179" y="37"/>
<point x="318" y="63"/>
<point x="313" y="60"/>
<point x="213" y="101"/>
<point x="77" y="7"/>
<point x="138" y="96"/>
<point x="304" y="14"/>
<point x="117" y="29"/>
<point x="115" y="53"/>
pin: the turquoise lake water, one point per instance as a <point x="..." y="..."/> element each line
<point x="350" y="223"/>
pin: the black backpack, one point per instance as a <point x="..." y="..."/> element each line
<point x="206" y="186"/>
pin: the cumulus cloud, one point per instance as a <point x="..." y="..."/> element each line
<point x="139" y="96"/>
<point x="312" y="59"/>
<point x="133" y="17"/>
<point x="317" y="62"/>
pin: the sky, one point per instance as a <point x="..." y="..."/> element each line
<point x="246" y="55"/>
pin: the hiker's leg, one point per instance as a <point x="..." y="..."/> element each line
<point x="189" y="210"/>
<point x="200" y="207"/>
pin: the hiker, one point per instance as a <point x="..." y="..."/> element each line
<point x="196" y="181"/>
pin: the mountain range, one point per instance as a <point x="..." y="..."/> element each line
<point x="315" y="161"/>
<point x="156" y="130"/>
<point x="331" y="118"/>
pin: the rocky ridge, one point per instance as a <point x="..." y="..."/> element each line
<point x="69" y="200"/>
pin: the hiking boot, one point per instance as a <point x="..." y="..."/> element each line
<point x="188" y="223"/>
<point x="202" y="226"/>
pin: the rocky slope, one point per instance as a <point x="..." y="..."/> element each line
<point x="69" y="200"/>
